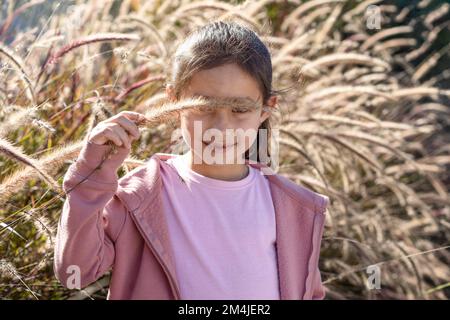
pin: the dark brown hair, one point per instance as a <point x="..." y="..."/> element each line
<point x="219" y="43"/>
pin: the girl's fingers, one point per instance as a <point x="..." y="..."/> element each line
<point x="131" y="115"/>
<point x="121" y="128"/>
<point x="129" y="126"/>
<point x="119" y="131"/>
<point x="111" y="135"/>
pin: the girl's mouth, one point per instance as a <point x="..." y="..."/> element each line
<point x="219" y="147"/>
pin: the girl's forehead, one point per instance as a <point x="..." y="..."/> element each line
<point x="224" y="81"/>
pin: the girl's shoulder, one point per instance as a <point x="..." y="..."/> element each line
<point x="145" y="180"/>
<point x="313" y="200"/>
<point x="140" y="185"/>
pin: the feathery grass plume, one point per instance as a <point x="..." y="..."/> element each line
<point x="16" y="153"/>
<point x="426" y="66"/>
<point x="242" y="17"/>
<point x="384" y="34"/>
<point x="402" y="14"/>
<point x="429" y="41"/>
<point x="19" y="66"/>
<point x="99" y="37"/>
<point x="43" y="125"/>
<point x="347" y="58"/>
<point x="272" y="41"/>
<point x="99" y="112"/>
<point x="169" y="109"/>
<point x="295" y="145"/>
<point x="253" y="7"/>
<point x="431" y="107"/>
<point x="395" y="44"/>
<point x="424" y="4"/>
<point x="7" y="269"/>
<point x="52" y="162"/>
<point x="402" y="257"/>
<point x="326" y="28"/>
<point x="3" y="95"/>
<point x="351" y="90"/>
<point x="294" y="16"/>
<point x="417" y="92"/>
<point x="360" y="8"/>
<point x="353" y="134"/>
<point x="152" y="102"/>
<point x="309" y="22"/>
<point x="291" y="46"/>
<point x="372" y="78"/>
<point x="122" y="53"/>
<point x="436" y="15"/>
<point x="403" y="168"/>
<point x="367" y="157"/>
<point x="326" y="118"/>
<point x="138" y="85"/>
<point x="440" y="78"/>
<point x="210" y="5"/>
<point x="149" y="26"/>
<point x="42" y="224"/>
<point x="14" y="120"/>
<point x="9" y="109"/>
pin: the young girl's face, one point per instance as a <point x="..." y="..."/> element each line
<point x="222" y="131"/>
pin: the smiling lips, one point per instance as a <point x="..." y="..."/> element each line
<point x="219" y="146"/>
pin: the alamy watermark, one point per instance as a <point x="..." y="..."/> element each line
<point x="373" y="17"/>
<point x="374" y="278"/>
<point x="73" y="281"/>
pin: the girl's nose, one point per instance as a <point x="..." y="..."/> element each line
<point x="222" y="120"/>
<point x="223" y="128"/>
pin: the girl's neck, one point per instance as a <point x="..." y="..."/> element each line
<point x="227" y="172"/>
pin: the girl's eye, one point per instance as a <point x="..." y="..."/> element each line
<point x="239" y="110"/>
<point x="205" y="109"/>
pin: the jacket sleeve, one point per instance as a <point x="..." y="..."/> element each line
<point x="91" y="217"/>
<point x="318" y="288"/>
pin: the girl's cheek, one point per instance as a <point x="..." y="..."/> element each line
<point x="246" y="141"/>
<point x="191" y="135"/>
<point x="194" y="127"/>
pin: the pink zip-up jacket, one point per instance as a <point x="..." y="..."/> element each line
<point x="107" y="222"/>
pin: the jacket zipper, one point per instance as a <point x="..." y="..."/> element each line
<point x="173" y="285"/>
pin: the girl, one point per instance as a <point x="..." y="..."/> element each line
<point x="194" y="226"/>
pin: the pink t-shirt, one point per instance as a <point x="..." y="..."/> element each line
<point x="223" y="234"/>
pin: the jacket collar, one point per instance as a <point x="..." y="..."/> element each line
<point x="295" y="218"/>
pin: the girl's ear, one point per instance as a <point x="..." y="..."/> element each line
<point x="170" y="93"/>
<point x="271" y="104"/>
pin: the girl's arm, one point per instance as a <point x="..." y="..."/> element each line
<point x="91" y="218"/>
<point x="318" y="289"/>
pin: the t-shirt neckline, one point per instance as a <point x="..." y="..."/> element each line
<point x="190" y="175"/>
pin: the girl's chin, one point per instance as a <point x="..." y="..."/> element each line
<point x="208" y="150"/>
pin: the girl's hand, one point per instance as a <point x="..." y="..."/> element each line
<point x="121" y="129"/>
